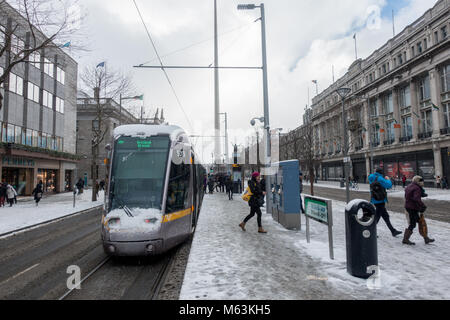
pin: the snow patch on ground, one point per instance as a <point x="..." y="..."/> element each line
<point x="25" y="214"/>
<point x="227" y="263"/>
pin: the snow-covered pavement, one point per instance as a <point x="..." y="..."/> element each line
<point x="25" y="213"/>
<point x="227" y="263"/>
<point x="396" y="192"/>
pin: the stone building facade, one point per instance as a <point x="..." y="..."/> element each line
<point x="398" y="110"/>
<point x="86" y="120"/>
<point x="38" y="115"/>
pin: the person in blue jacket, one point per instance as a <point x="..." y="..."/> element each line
<point x="380" y="205"/>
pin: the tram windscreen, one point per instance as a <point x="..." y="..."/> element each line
<point x="138" y="172"/>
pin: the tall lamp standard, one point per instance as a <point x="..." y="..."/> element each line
<point x="141" y="97"/>
<point x="343" y="93"/>
<point x="265" y="84"/>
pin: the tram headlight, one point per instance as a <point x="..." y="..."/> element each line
<point x="113" y="222"/>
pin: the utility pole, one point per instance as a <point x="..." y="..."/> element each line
<point x="217" y="148"/>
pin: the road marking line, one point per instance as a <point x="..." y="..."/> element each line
<point x="20" y="273"/>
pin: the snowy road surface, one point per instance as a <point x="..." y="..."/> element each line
<point x="25" y="214"/>
<point x="227" y="263"/>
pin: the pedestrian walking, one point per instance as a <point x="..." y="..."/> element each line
<point x="229" y="188"/>
<point x="438" y="182"/>
<point x="102" y="185"/>
<point x="2" y="194"/>
<point x="38" y="192"/>
<point x="11" y="194"/>
<point x="444" y="183"/>
<point x="404" y="181"/>
<point x="378" y="187"/>
<point x="416" y="211"/>
<point x="80" y="186"/>
<point x="211" y="185"/>
<point x="256" y="201"/>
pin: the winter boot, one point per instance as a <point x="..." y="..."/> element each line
<point x="428" y="240"/>
<point x="396" y="233"/>
<point x="408" y="234"/>
<point x="242" y="225"/>
<point x="261" y="230"/>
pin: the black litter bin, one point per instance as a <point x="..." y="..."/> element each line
<point x="361" y="238"/>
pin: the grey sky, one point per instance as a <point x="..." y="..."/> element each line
<point x="304" y="39"/>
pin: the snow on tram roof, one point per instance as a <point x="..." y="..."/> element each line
<point x="146" y="130"/>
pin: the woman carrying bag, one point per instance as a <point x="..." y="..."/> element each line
<point x="255" y="202"/>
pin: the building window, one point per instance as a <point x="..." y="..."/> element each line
<point x="47" y="100"/>
<point x="29" y="137"/>
<point x="444" y="32"/>
<point x="48" y="67"/>
<point x="59" y="105"/>
<point x="388" y="105"/>
<point x="10" y="135"/>
<point x="447" y="114"/>
<point x="15" y="84"/>
<point x="404" y="97"/>
<point x="413" y="54"/>
<point x="390" y="132"/>
<point x="427" y="121"/>
<point x="445" y="78"/>
<point x="407" y="127"/>
<point x="419" y="48"/>
<point x="35" y="59"/>
<point x="373" y="108"/>
<point x="424" y="88"/>
<point x="60" y="75"/>
<point x="17" y="45"/>
<point x="33" y="92"/>
<point x="425" y="44"/>
<point x="436" y="37"/>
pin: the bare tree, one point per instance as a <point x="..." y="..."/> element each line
<point x="42" y="24"/>
<point x="111" y="84"/>
<point x="306" y="151"/>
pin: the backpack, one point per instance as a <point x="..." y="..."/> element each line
<point x="377" y="191"/>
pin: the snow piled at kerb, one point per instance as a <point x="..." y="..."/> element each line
<point x="139" y="220"/>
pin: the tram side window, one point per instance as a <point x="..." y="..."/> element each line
<point x="178" y="189"/>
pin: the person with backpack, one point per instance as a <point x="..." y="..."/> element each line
<point x="416" y="209"/>
<point x="378" y="194"/>
<point x="255" y="202"/>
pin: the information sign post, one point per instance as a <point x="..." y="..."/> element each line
<point x="320" y="210"/>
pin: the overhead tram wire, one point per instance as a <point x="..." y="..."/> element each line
<point x="162" y="65"/>
<point x="198" y="43"/>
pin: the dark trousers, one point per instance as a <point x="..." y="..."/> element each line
<point x="230" y="194"/>
<point x="381" y="212"/>
<point x="413" y="218"/>
<point x="253" y="211"/>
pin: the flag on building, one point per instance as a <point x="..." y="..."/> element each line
<point x="314" y="81"/>
<point x="397" y="126"/>
<point x="435" y="106"/>
<point x="66" y="45"/>
<point x="102" y="64"/>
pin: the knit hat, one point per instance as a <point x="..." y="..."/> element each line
<point x="379" y="170"/>
<point x="417" y="179"/>
<point x="255" y="174"/>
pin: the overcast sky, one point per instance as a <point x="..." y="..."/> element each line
<point x="304" y="39"/>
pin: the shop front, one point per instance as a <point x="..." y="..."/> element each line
<point x="409" y="165"/>
<point x="18" y="172"/>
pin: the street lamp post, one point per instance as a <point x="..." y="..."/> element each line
<point x="265" y="85"/>
<point x="141" y="97"/>
<point x="343" y="93"/>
